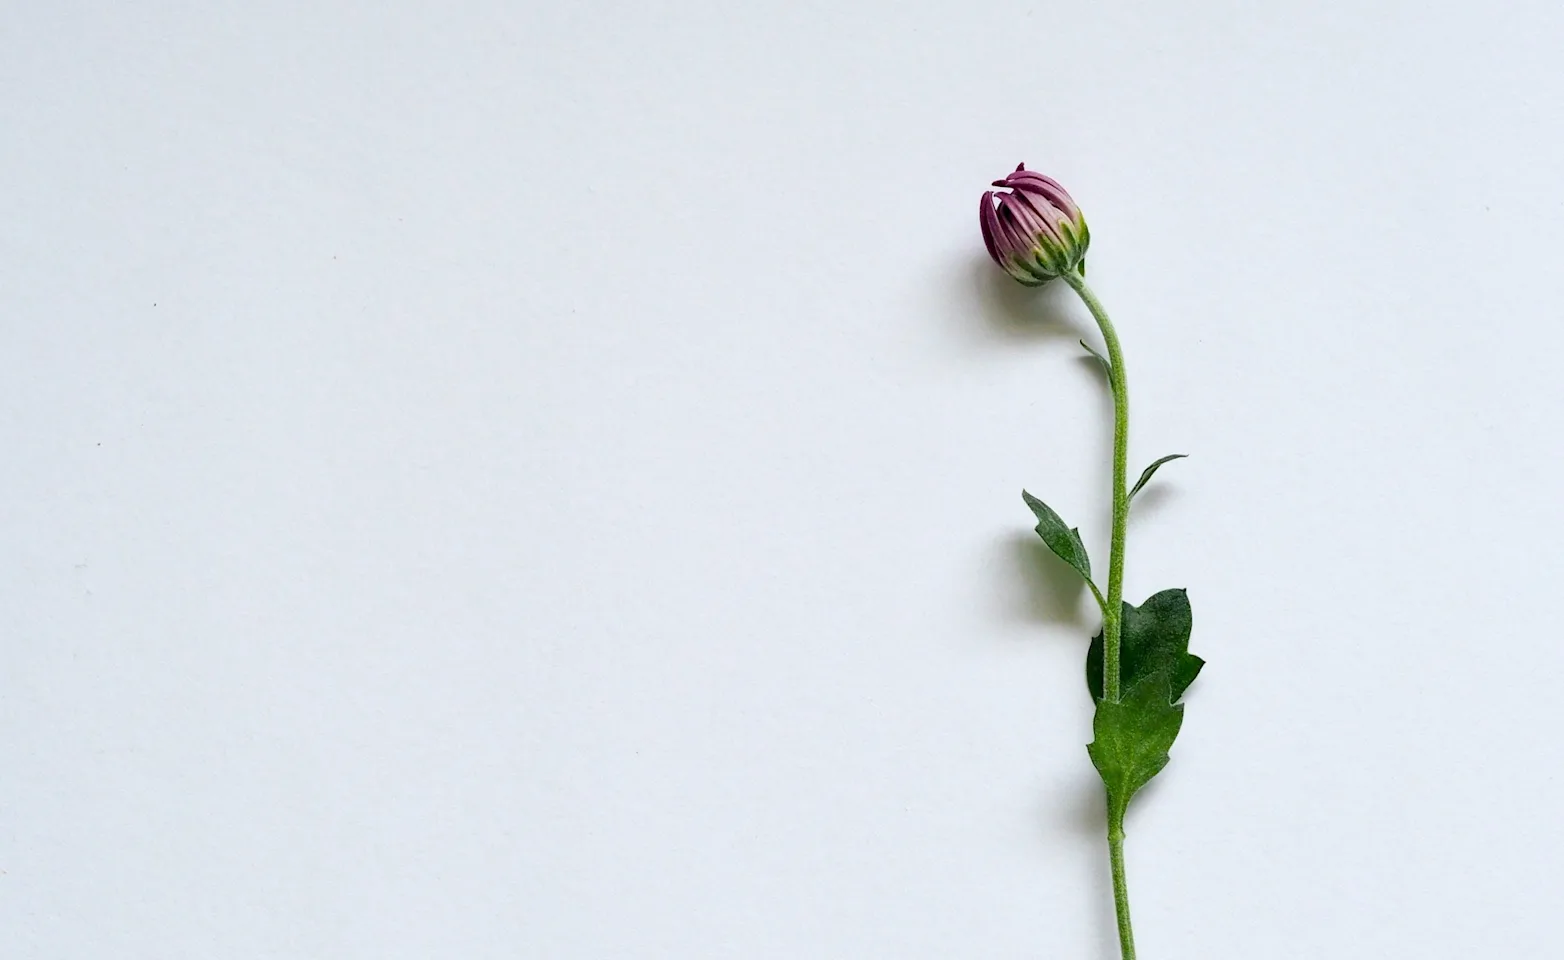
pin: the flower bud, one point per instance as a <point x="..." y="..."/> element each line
<point x="1035" y="232"/>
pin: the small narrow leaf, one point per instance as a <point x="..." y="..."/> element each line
<point x="1107" y="367"/>
<point x="1154" y="640"/>
<point x="1145" y="476"/>
<point x="1064" y="541"/>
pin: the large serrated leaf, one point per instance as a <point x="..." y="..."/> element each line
<point x="1063" y="540"/>
<point x="1131" y="738"/>
<point x="1146" y="475"/>
<point x="1154" y="639"/>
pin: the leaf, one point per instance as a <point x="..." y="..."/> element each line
<point x="1064" y="541"/>
<point x="1132" y="735"/>
<point x="1153" y="640"/>
<point x="1107" y="367"/>
<point x="1130" y="740"/>
<point x="1145" y="476"/>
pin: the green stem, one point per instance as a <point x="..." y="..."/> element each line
<point x="1121" y="893"/>
<point x="1113" y="608"/>
<point x="1113" y="614"/>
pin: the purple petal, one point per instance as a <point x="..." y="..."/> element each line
<point x="986" y="221"/>
<point x="1013" y="241"/>
<point x="1036" y="220"/>
<point x="1044" y="188"/>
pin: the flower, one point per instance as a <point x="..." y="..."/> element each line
<point x="1035" y="232"/>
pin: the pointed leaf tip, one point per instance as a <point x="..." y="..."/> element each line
<point x="1146" y="475"/>
<point x="1064" y="541"/>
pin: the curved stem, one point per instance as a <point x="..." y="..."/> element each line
<point x="1113" y="607"/>
<point x="1113" y="614"/>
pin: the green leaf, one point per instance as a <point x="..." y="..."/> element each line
<point x="1145" y="476"/>
<point x="1131" y="739"/>
<point x="1131" y="736"/>
<point x="1153" y="640"/>
<point x="1064" y="541"/>
<point x="1107" y="367"/>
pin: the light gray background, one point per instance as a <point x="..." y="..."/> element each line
<point x="494" y="480"/>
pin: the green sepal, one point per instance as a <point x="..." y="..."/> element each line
<point x="1130" y="740"/>
<point x="1153" y="639"/>
<point x="1064" y="541"/>
<point x="1145" y="476"/>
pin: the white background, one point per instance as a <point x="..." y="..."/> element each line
<point x="496" y="480"/>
